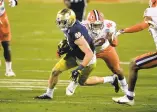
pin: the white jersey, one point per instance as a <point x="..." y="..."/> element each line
<point x="2" y="8"/>
<point x="109" y="27"/>
<point x="152" y="12"/>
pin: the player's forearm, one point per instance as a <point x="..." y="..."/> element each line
<point x="87" y="58"/>
<point x="114" y="42"/>
<point x="136" y="28"/>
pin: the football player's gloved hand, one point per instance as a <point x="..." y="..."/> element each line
<point x="152" y="24"/>
<point x="119" y="32"/>
<point x="13" y="3"/>
<point x="76" y="72"/>
<point x="63" y="48"/>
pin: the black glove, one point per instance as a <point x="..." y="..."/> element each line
<point x="76" y="72"/>
<point x="63" y="47"/>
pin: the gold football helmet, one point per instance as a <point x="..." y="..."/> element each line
<point x="65" y="19"/>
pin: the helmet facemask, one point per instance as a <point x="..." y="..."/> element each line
<point x="62" y="24"/>
<point x="95" y="21"/>
<point x="96" y="27"/>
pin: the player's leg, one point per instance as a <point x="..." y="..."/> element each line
<point x="5" y="41"/>
<point x="65" y="63"/>
<point x="112" y="61"/>
<point x="107" y="79"/>
<point x="7" y="56"/>
<point x="113" y="80"/>
<point x="145" y="61"/>
<point x="94" y="80"/>
<point x="83" y="78"/>
<point x="81" y="81"/>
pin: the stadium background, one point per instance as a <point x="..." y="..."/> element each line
<point x="34" y="44"/>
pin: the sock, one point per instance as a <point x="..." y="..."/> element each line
<point x="124" y="85"/>
<point x="108" y="79"/>
<point x="8" y="66"/>
<point x="123" y="82"/>
<point x="130" y="95"/>
<point x="49" y="92"/>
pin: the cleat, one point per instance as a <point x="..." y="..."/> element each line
<point x="116" y="85"/>
<point x="70" y="90"/>
<point x="123" y="100"/>
<point x="43" y="96"/>
<point x="10" y="73"/>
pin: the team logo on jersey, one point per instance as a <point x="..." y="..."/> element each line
<point x="109" y="25"/>
<point x="78" y="35"/>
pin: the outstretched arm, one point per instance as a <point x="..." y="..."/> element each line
<point x="138" y="27"/>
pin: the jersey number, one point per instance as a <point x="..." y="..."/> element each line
<point x="99" y="42"/>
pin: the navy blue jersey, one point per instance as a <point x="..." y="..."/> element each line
<point x="74" y="33"/>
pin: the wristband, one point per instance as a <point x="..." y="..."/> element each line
<point x="80" y="67"/>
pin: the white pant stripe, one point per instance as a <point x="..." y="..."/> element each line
<point x="145" y="60"/>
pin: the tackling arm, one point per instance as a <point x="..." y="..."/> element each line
<point x="112" y="39"/>
<point x="138" y="27"/>
<point x="83" y="45"/>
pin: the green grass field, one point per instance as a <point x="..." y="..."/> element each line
<point x="34" y="44"/>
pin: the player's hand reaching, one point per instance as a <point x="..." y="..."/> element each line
<point x="76" y="72"/>
<point x="13" y="3"/>
<point x="119" y="32"/>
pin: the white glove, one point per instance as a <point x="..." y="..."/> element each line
<point x="152" y="24"/>
<point x="12" y="3"/>
<point x="119" y="32"/>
